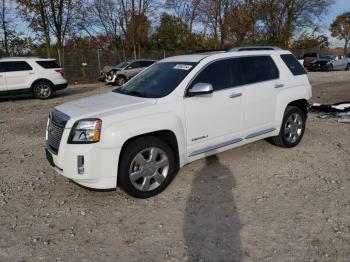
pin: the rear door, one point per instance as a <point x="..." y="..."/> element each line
<point x="258" y="79"/>
<point x="3" y="86"/>
<point x="18" y="75"/>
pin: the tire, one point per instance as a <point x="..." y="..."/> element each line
<point x="330" y="68"/>
<point x="151" y="175"/>
<point x="347" y="68"/>
<point x="43" y="90"/>
<point x="121" y="80"/>
<point x="292" y="128"/>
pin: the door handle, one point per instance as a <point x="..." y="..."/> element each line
<point x="1" y="75"/>
<point x="279" y="85"/>
<point x="235" y="95"/>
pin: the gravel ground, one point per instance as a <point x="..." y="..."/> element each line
<point x="254" y="203"/>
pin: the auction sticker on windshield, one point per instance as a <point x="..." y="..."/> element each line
<point x="182" y="67"/>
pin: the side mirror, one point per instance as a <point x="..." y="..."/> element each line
<point x="201" y="89"/>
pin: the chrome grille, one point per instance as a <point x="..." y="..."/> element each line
<point x="54" y="135"/>
<point x="55" y="128"/>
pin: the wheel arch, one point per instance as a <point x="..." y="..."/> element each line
<point x="300" y="103"/>
<point x="41" y="80"/>
<point x="165" y="135"/>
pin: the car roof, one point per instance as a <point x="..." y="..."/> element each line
<point x="25" y="59"/>
<point x="195" y="58"/>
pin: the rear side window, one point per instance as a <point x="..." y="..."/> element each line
<point x="2" y="67"/>
<point x="293" y="64"/>
<point x="17" y="66"/>
<point x="253" y="69"/>
<point x="218" y="74"/>
<point x="48" y="64"/>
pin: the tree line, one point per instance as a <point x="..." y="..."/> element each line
<point x="188" y="25"/>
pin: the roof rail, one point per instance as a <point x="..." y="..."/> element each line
<point x="254" y="48"/>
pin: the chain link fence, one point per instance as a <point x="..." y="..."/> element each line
<point x="84" y="65"/>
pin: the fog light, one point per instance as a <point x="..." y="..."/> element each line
<point x="81" y="168"/>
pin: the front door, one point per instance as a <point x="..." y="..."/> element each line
<point x="216" y="119"/>
<point x="2" y="78"/>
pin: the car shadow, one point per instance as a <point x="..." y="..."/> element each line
<point x="211" y="224"/>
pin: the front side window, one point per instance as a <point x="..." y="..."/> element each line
<point x="158" y="80"/>
<point x="146" y="63"/>
<point x="218" y="74"/>
<point x="17" y="66"/>
<point x="134" y="65"/>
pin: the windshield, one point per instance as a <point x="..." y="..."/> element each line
<point x="158" y="80"/>
<point x="123" y="64"/>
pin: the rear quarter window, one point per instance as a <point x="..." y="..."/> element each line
<point x="293" y="64"/>
<point x="48" y="64"/>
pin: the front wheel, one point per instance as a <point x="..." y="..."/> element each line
<point x="347" y="68"/>
<point x="120" y="80"/>
<point x="292" y="129"/>
<point x="147" y="167"/>
<point x="43" y="90"/>
<point x="330" y="68"/>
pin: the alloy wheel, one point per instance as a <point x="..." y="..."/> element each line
<point x="293" y="128"/>
<point x="149" y="169"/>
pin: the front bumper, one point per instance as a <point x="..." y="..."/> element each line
<point x="100" y="166"/>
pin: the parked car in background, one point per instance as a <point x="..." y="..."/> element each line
<point x="330" y="63"/>
<point x="104" y="73"/>
<point x="181" y="109"/>
<point x="123" y="72"/>
<point x="309" y="57"/>
<point x="38" y="76"/>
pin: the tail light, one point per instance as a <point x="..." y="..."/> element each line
<point x="60" y="71"/>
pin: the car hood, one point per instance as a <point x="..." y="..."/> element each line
<point x="98" y="105"/>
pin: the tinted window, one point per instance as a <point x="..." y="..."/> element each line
<point x="218" y="74"/>
<point x="146" y="63"/>
<point x="157" y="80"/>
<point x="2" y="68"/>
<point x="310" y="55"/>
<point x="48" y="64"/>
<point x="293" y="64"/>
<point x="17" y="66"/>
<point x="253" y="69"/>
<point x="134" y="65"/>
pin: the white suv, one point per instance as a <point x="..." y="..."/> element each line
<point x="178" y="110"/>
<point x="38" y="76"/>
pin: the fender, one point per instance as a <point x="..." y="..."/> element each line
<point x="285" y="97"/>
<point x="117" y="134"/>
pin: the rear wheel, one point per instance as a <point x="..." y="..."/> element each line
<point x="347" y="68"/>
<point x="292" y="129"/>
<point x="43" y="90"/>
<point x="147" y="167"/>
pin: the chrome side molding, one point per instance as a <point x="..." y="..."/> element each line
<point x="210" y="148"/>
<point x="262" y="132"/>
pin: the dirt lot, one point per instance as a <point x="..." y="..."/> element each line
<point x="255" y="203"/>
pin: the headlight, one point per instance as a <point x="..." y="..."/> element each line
<point x="85" y="131"/>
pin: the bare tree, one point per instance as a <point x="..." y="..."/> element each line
<point x="36" y="13"/>
<point x="281" y="18"/>
<point x="186" y="11"/>
<point x="340" y="28"/>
